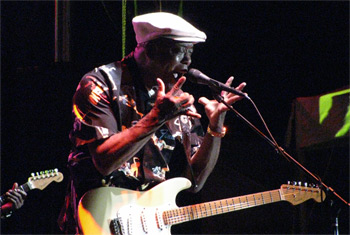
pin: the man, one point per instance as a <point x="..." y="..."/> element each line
<point x="12" y="200"/>
<point x="133" y="125"/>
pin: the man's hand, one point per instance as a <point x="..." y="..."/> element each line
<point x="216" y="111"/>
<point x="175" y="102"/>
<point x="16" y="197"/>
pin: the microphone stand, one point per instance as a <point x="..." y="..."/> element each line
<point x="216" y="93"/>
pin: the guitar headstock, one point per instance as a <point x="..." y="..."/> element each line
<point x="296" y="194"/>
<point x="42" y="179"/>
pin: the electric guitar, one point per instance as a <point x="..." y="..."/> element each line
<point x="109" y="210"/>
<point x="40" y="180"/>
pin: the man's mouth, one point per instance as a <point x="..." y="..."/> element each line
<point x="177" y="75"/>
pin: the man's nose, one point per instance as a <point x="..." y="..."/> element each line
<point x="187" y="59"/>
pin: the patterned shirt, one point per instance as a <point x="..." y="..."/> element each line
<point x="110" y="99"/>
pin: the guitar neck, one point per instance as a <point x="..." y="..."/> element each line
<point x="202" y="210"/>
<point x="38" y="181"/>
<point x="26" y="187"/>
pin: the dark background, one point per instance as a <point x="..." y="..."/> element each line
<point x="283" y="50"/>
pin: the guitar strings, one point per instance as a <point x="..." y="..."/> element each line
<point x="191" y="213"/>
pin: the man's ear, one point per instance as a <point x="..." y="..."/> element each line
<point x="152" y="50"/>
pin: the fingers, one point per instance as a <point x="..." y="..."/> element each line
<point x="17" y="192"/>
<point x="161" y="87"/>
<point x="17" y="197"/>
<point x="174" y="102"/>
<point x="184" y="100"/>
<point x="15" y="185"/>
<point x="241" y="86"/>
<point x="174" y="90"/>
<point x="192" y="114"/>
<point x="13" y="193"/>
<point x="229" y="81"/>
<point x="228" y="95"/>
<point x="203" y="100"/>
<point x="184" y="106"/>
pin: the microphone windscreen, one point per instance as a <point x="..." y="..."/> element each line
<point x="193" y="75"/>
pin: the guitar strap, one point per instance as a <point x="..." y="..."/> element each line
<point x="186" y="141"/>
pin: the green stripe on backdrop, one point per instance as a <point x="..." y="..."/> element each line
<point x="123" y="26"/>
<point x="135" y="8"/>
<point x="180" y="12"/>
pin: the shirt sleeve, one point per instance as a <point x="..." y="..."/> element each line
<point x="92" y="111"/>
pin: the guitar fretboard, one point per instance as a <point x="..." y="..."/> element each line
<point x="25" y="187"/>
<point x="202" y="210"/>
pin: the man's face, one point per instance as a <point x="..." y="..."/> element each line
<point x="173" y="59"/>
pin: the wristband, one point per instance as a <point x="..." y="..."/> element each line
<point x="216" y="134"/>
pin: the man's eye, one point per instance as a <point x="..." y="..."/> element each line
<point x="181" y="50"/>
<point x="177" y="50"/>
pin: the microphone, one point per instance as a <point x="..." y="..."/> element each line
<point x="198" y="77"/>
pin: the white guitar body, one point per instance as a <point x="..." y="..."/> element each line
<point x="110" y="210"/>
<point x="120" y="211"/>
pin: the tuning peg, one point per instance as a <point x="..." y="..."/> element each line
<point x="39" y="175"/>
<point x="36" y="175"/>
<point x="299" y="183"/>
<point x="305" y="184"/>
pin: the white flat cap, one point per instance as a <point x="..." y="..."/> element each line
<point x="161" y="24"/>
